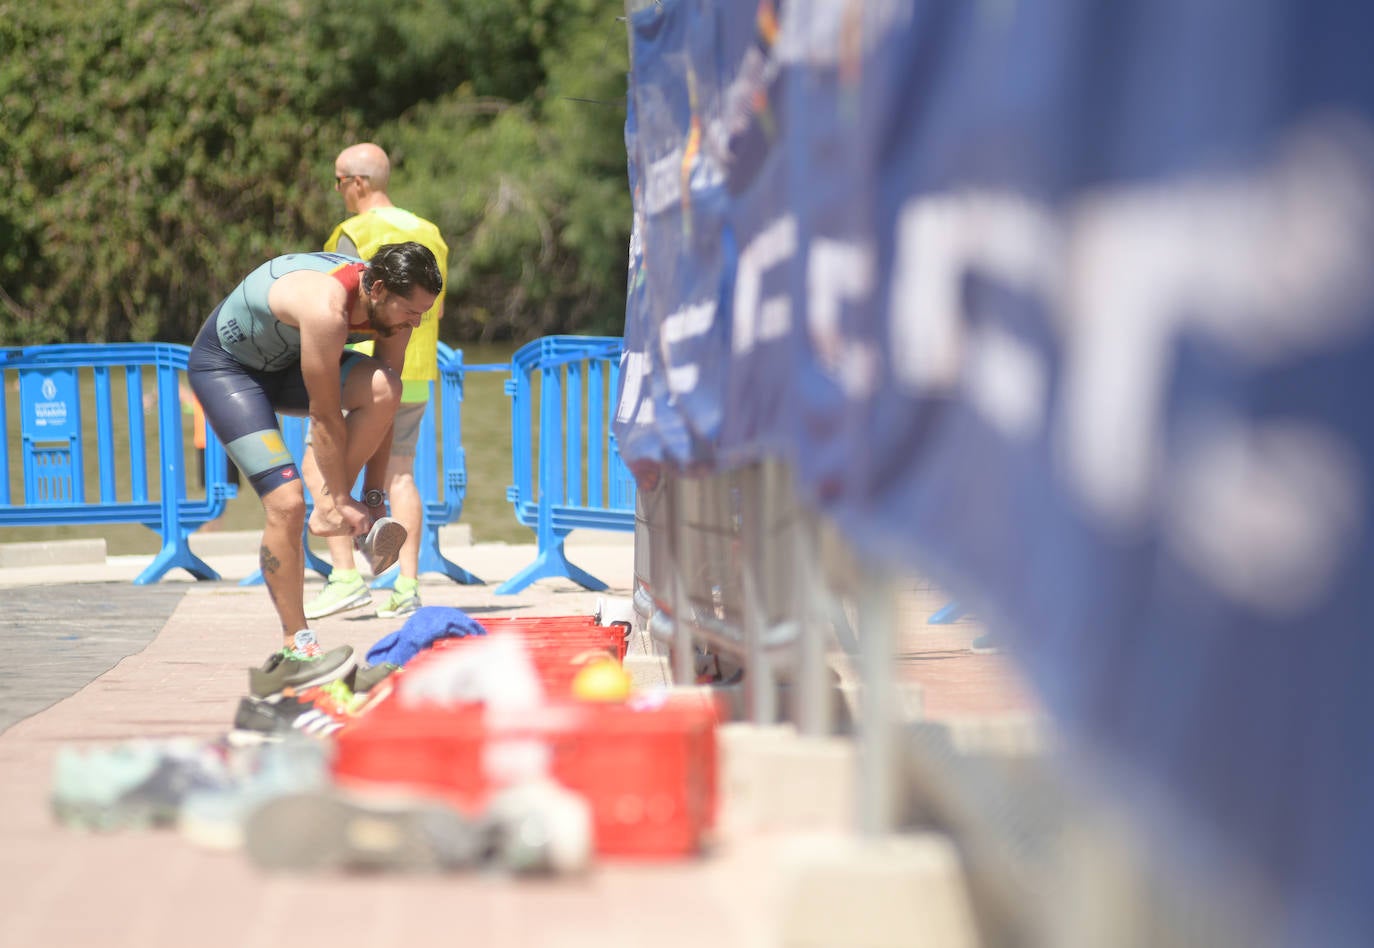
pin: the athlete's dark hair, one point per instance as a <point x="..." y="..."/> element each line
<point x="402" y="267"/>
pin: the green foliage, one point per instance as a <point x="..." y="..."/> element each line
<point x="152" y="152"/>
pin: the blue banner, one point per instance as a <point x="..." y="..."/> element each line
<point x="1068" y="303"/>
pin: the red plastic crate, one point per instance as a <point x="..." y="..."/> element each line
<point x="572" y="642"/>
<point x="557" y="653"/>
<point x="649" y="774"/>
<point x="544" y="628"/>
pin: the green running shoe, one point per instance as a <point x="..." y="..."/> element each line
<point x="400" y="604"/>
<point x="339" y="596"/>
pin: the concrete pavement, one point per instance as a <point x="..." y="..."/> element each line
<point x="104" y="661"/>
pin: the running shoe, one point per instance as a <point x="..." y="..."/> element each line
<point x="400" y="604"/>
<point x="539" y="827"/>
<point x="339" y="596"/>
<point x="136" y="784"/>
<point x="264" y="721"/>
<point x="214" y="818"/>
<point x="331" y="830"/>
<point x="382" y="545"/>
<point x="365" y="678"/>
<point x="301" y="666"/>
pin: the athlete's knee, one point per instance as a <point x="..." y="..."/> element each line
<point x="285" y="504"/>
<point x="386" y="388"/>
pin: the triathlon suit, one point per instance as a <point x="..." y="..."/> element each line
<point x="362" y="235"/>
<point x="245" y="366"/>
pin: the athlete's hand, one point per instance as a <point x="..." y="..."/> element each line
<point x="357" y="516"/>
<point x="347" y="519"/>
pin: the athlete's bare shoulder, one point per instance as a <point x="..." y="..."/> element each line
<point x="304" y="296"/>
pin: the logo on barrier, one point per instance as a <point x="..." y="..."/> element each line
<point x="50" y="404"/>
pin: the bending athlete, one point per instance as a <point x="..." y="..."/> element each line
<point x="276" y="344"/>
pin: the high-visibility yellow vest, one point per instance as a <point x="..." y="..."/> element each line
<point x="389" y="225"/>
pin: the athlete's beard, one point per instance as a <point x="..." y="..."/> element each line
<point x="372" y="320"/>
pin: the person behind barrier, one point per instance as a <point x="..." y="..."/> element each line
<point x="361" y="176"/>
<point x="277" y="343"/>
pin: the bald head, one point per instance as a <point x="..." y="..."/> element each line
<point x="367" y="161"/>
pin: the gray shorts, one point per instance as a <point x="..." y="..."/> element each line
<point x="405" y="430"/>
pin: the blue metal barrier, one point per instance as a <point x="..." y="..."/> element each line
<point x="581" y="483"/>
<point x="441" y="488"/>
<point x="55" y="436"/>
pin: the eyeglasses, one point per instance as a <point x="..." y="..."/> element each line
<point x="339" y="179"/>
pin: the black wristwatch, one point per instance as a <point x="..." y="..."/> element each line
<point x="374" y="498"/>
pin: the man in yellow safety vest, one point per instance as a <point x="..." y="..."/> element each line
<point x="362" y="173"/>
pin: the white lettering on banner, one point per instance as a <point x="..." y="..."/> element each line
<point x="689" y="322"/>
<point x="775" y="317"/>
<point x="695" y="319"/>
<point x="1271" y="265"/>
<point x="706" y="170"/>
<point x="663" y="183"/>
<point x="1265" y="513"/>
<point x="822" y="32"/>
<point x="683" y="378"/>
<point x="1007" y="382"/>
<point x="757" y="320"/>
<point x="939" y="240"/>
<point x="633" y="368"/>
<point x="839" y="272"/>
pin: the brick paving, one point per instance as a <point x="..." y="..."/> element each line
<point x="175" y="665"/>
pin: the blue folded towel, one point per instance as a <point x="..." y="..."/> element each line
<point x="425" y="626"/>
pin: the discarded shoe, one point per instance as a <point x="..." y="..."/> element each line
<point x="540" y="826"/>
<point x="364" y="678"/>
<point x="299" y="667"/>
<point x="382" y="545"/>
<point x="214" y="818"/>
<point x="339" y="596"/>
<point x="259" y="720"/>
<point x="331" y="830"/>
<point x="137" y="784"/>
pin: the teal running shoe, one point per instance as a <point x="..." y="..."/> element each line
<point x="134" y="785"/>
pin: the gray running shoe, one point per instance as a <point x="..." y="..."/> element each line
<point x="329" y="830"/>
<point x="261" y="721"/>
<point x="339" y="596"/>
<point x="364" y="678"/>
<point x="291" y="668"/>
<point x="382" y="545"/>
